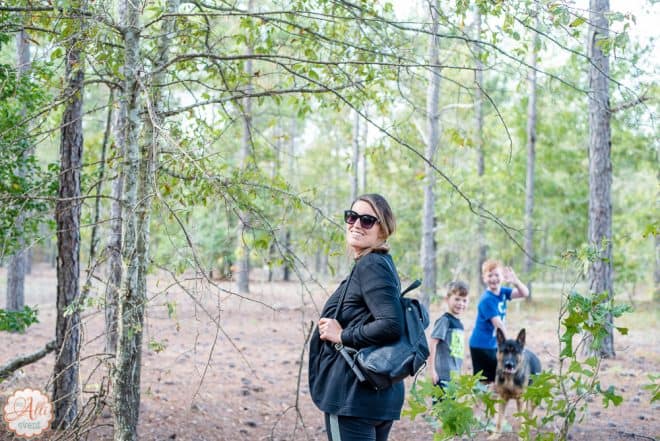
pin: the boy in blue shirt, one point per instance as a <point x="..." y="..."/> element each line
<point x="447" y="345"/>
<point x="491" y="315"/>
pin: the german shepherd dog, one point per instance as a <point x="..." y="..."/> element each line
<point x="515" y="364"/>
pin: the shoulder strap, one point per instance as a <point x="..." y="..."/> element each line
<point x="343" y="294"/>
<point x="396" y="275"/>
<point x="412" y="286"/>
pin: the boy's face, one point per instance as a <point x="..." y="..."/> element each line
<point x="493" y="279"/>
<point x="456" y="304"/>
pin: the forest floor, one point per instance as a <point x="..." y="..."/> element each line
<point x="219" y="367"/>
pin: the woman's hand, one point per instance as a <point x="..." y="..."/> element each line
<point x="330" y="330"/>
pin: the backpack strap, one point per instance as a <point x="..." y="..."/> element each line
<point x="414" y="285"/>
<point x="343" y="294"/>
<point x="348" y="353"/>
<point x="396" y="275"/>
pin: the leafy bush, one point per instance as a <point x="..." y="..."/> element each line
<point x="562" y="397"/>
<point x="18" y="321"/>
<point x="453" y="407"/>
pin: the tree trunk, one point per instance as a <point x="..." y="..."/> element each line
<point x="482" y="250"/>
<point x="428" y="248"/>
<point x="138" y="193"/>
<point x="29" y="259"/>
<point x="243" y="276"/>
<point x="286" y="267"/>
<point x="273" y="249"/>
<point x="531" y="161"/>
<point x="600" y="164"/>
<point x="16" y="278"/>
<point x="66" y="388"/>
<point x="317" y="262"/>
<point x="115" y="269"/>
<point x="363" y="173"/>
<point x="656" y="273"/>
<point x="18" y="263"/>
<point x="356" y="156"/>
<point x="132" y="296"/>
<point x="94" y="240"/>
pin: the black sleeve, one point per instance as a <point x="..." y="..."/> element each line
<point x="380" y="289"/>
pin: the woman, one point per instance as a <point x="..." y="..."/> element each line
<point x="370" y="314"/>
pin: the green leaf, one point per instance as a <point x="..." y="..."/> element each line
<point x="18" y="321"/>
<point x="157" y="346"/>
<point x="577" y="22"/>
<point x="622" y="331"/>
<point x="575" y="367"/>
<point x="56" y="54"/>
<point x="610" y="396"/>
<point x="592" y="361"/>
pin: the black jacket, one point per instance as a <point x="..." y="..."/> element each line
<point x="370" y="315"/>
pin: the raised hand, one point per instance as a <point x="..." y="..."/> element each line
<point x="509" y="276"/>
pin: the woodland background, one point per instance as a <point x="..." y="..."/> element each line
<point x="214" y="144"/>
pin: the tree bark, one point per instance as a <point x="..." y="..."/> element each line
<point x="94" y="240"/>
<point x="356" y="156"/>
<point x="66" y="387"/>
<point x="13" y="365"/>
<point x="277" y="166"/>
<point x="286" y="266"/>
<point x="363" y="156"/>
<point x="243" y="275"/>
<point x="114" y="245"/>
<point x="600" y="164"/>
<point x="16" y="270"/>
<point x="132" y="296"/>
<point x="482" y="250"/>
<point x="18" y="262"/>
<point x="531" y="161"/>
<point x="656" y="273"/>
<point x="29" y="257"/>
<point x="139" y="181"/>
<point x="428" y="246"/>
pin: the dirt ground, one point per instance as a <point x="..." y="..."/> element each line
<point x="218" y="367"/>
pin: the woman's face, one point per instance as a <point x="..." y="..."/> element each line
<point x="358" y="237"/>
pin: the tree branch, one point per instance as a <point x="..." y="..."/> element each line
<point x="628" y="104"/>
<point x="9" y="368"/>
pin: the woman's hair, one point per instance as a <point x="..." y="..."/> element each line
<point x="385" y="217"/>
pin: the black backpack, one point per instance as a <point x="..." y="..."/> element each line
<point x="383" y="366"/>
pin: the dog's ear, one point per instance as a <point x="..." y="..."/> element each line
<point x="500" y="336"/>
<point x="521" y="338"/>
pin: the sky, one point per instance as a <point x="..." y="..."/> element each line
<point x="647" y="17"/>
<point x="646" y="12"/>
<point x="645" y="28"/>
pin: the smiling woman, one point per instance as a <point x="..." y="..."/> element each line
<point x="369" y="223"/>
<point x="370" y="314"/>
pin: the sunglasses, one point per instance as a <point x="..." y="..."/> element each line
<point x="366" y="220"/>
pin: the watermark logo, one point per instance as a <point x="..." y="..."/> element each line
<point x="28" y="412"/>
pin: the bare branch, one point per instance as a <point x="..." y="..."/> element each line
<point x="632" y="103"/>
<point x="8" y="368"/>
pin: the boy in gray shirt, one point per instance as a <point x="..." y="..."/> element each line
<point x="447" y="344"/>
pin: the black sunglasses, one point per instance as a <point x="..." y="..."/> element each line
<point x="366" y="220"/>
